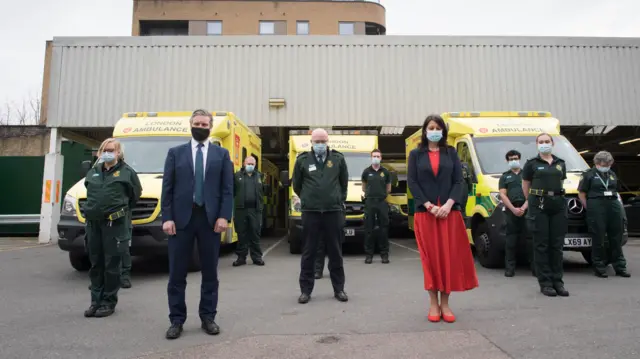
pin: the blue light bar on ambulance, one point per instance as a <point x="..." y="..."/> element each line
<point x="335" y="132"/>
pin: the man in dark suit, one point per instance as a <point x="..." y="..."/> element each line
<point x="197" y="199"/>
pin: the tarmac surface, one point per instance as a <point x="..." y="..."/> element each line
<point x="42" y="300"/>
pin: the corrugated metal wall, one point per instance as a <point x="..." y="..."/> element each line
<point x="339" y="80"/>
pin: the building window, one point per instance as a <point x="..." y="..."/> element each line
<point x="267" y="28"/>
<point x="302" y="28"/>
<point x="214" y="27"/>
<point x="347" y="28"/>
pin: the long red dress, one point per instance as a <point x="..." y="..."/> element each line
<point x="447" y="261"/>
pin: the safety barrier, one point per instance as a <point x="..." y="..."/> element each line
<point x="19" y="219"/>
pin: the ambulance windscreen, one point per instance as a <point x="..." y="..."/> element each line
<point x="356" y="163"/>
<point x="491" y="152"/>
<point x="147" y="154"/>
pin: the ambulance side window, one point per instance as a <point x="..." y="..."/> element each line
<point x="465" y="159"/>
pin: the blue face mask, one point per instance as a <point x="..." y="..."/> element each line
<point x="514" y="164"/>
<point x="604" y="169"/>
<point x="434" y="136"/>
<point x="545" y="148"/>
<point x="320" y="148"/>
<point x="108" y="157"/>
<point x="249" y="168"/>
<point x="375" y="161"/>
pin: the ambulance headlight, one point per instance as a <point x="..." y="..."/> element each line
<point x="295" y="203"/>
<point x="495" y="196"/>
<point x="69" y="206"/>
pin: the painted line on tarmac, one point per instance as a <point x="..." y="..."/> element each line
<point x="264" y="254"/>
<point x="25" y="247"/>
<point x="405" y="247"/>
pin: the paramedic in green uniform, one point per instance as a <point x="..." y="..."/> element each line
<point x="510" y="185"/>
<point x="376" y="183"/>
<point x="248" y="205"/>
<point x="598" y="191"/>
<point x="125" y="273"/>
<point x="113" y="188"/>
<point x="542" y="179"/>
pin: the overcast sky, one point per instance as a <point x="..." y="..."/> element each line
<point x="26" y="25"/>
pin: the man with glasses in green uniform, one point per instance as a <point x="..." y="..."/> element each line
<point x="376" y="183"/>
<point x="598" y="192"/>
<point x="511" y="194"/>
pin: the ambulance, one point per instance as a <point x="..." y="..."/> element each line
<point x="397" y="199"/>
<point x="356" y="146"/>
<point x="271" y="196"/>
<point x="146" y="138"/>
<point x="482" y="139"/>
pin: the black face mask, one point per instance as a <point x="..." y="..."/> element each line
<point x="200" y="134"/>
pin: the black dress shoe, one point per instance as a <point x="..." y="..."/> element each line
<point x="561" y="291"/>
<point x="258" y="262"/>
<point x="210" y="327"/>
<point x="126" y="283"/>
<point x="341" y="296"/>
<point x="368" y="260"/>
<point x="318" y="275"/>
<point x="385" y="258"/>
<point x="623" y="273"/>
<point x="548" y="291"/>
<point x="509" y="273"/>
<point x="239" y="262"/>
<point x="304" y="298"/>
<point x="600" y="274"/>
<point x="91" y="312"/>
<point x="104" y="311"/>
<point x="174" y="331"/>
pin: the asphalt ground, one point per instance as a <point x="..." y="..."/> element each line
<point x="42" y="300"/>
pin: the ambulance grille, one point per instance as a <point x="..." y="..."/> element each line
<point x="354" y="208"/>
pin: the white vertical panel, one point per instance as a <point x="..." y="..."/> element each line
<point x="344" y="81"/>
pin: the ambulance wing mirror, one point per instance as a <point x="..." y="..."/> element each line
<point x="284" y="178"/>
<point x="394" y="179"/>
<point x="468" y="176"/>
<point x="85" y="167"/>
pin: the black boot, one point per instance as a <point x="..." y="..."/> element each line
<point x="368" y="259"/>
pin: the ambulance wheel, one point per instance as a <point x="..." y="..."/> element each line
<point x="194" y="264"/>
<point x="489" y="255"/>
<point x="295" y="246"/>
<point x="79" y="261"/>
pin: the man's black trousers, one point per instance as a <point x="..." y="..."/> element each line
<point x="326" y="227"/>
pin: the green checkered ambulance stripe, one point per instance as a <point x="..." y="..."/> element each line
<point x="270" y="206"/>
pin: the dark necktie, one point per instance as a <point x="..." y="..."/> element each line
<point x="199" y="188"/>
<point x="320" y="162"/>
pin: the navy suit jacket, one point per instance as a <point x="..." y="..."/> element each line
<point x="178" y="185"/>
<point x="425" y="186"/>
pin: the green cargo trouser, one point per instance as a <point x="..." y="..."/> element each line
<point x="516" y="229"/>
<point x="248" y="224"/>
<point x="320" y="256"/>
<point x="604" y="217"/>
<point x="321" y="253"/>
<point x="126" y="258"/>
<point x="376" y="210"/>
<point x="549" y="228"/>
<point x="106" y="243"/>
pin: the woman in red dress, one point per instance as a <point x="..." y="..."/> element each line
<point x="435" y="180"/>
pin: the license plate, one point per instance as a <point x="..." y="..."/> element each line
<point x="349" y="232"/>
<point x="577" y="242"/>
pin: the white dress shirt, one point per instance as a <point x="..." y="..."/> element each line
<point x="194" y="150"/>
